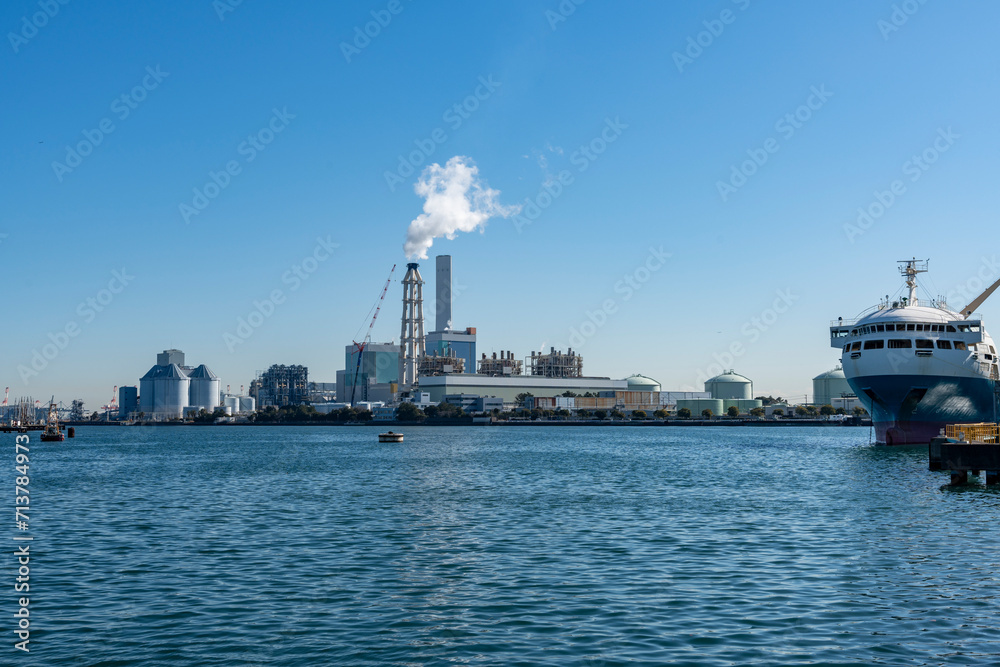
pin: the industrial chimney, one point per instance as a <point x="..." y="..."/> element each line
<point x="442" y="285"/>
<point x="411" y="336"/>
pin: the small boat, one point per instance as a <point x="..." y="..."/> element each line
<point x="52" y="432"/>
<point x="390" y="437"/>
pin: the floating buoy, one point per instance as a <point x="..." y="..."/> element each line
<point x="390" y="437"/>
<point x="71" y="432"/>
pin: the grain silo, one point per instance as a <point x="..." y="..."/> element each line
<point x="205" y="389"/>
<point x="163" y="391"/>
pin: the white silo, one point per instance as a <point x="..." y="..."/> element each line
<point x="146" y="400"/>
<point x="232" y="404"/>
<point x="205" y="389"/>
<point x="831" y="386"/>
<point x="171" y="390"/>
<point x="730" y="385"/>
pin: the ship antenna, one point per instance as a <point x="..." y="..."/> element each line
<point x="910" y="268"/>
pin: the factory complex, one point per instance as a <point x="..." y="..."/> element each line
<point x="442" y="367"/>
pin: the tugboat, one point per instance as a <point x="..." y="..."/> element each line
<point x="917" y="365"/>
<point x="52" y="432"/>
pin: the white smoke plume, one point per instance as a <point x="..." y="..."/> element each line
<point x="456" y="200"/>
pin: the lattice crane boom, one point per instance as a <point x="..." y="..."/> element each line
<point x="359" y="348"/>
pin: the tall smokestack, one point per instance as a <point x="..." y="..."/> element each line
<point x="442" y="283"/>
<point x="411" y="336"/>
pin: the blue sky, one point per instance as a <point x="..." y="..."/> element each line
<point x="337" y="123"/>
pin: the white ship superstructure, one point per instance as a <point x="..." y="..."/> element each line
<point x="917" y="365"/>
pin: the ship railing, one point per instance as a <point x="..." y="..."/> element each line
<point x="983" y="432"/>
<point x="897" y="303"/>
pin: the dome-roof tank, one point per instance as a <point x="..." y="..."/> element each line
<point x="729" y="385"/>
<point x="642" y="383"/>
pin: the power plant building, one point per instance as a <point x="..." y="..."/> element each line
<point x="461" y="344"/>
<point x="169" y="388"/>
<point x="281" y="385"/>
<point x="508" y="388"/>
<point x="445" y="340"/>
<point x="379" y="369"/>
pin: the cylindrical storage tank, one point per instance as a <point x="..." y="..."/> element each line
<point x="742" y="404"/>
<point x="174" y="392"/>
<point x="205" y="387"/>
<point x="171" y="389"/>
<point x="729" y="385"/>
<point x="232" y="404"/>
<point x="642" y="383"/>
<point x="247" y="404"/>
<point x="146" y="393"/>
<point x="830" y="386"/>
<point x="698" y="405"/>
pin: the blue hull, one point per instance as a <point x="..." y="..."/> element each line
<point x="912" y="409"/>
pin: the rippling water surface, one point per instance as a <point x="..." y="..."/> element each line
<point x="504" y="546"/>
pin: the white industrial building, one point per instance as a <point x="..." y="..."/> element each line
<point x="507" y="388"/>
<point x="169" y="388"/>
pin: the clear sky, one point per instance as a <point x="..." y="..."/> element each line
<point x="120" y="120"/>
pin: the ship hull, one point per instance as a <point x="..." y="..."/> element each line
<point x="912" y="409"/>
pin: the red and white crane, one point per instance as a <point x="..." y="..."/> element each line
<point x="359" y="348"/>
<point x="113" y="405"/>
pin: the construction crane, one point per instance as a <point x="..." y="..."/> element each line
<point x="359" y="348"/>
<point x="113" y="405"/>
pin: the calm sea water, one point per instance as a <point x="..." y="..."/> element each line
<point x="503" y="546"/>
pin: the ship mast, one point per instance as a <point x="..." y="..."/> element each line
<point x="910" y="268"/>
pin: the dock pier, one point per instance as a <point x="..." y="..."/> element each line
<point x="965" y="449"/>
